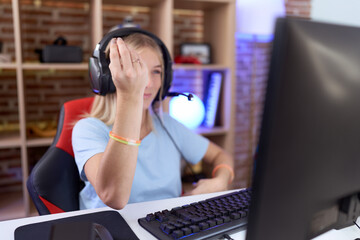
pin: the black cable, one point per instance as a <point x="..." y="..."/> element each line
<point x="356" y="224"/>
<point x="226" y="236"/>
<point x="177" y="147"/>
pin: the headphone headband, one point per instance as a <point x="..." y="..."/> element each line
<point x="99" y="72"/>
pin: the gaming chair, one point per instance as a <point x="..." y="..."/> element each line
<point x="54" y="183"/>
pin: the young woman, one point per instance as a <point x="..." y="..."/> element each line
<point x="114" y="165"/>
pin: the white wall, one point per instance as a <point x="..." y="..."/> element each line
<point x="336" y="11"/>
<point x="258" y="16"/>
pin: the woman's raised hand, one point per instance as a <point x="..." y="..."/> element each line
<point x="129" y="72"/>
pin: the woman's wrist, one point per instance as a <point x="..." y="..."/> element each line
<point x="132" y="97"/>
<point x="129" y="110"/>
<point x="225" y="172"/>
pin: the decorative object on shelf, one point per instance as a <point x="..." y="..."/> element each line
<point x="127" y="22"/>
<point x="190" y="113"/>
<point x="186" y="60"/>
<point x="9" y="127"/>
<point x="213" y="87"/>
<point x="60" y="52"/>
<point x="4" y="58"/>
<point x="42" y="129"/>
<point x="201" y="51"/>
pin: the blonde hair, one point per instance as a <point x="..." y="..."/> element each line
<point x="104" y="107"/>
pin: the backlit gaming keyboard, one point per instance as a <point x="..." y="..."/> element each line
<point x="206" y="219"/>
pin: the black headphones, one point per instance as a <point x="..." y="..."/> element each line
<point x="99" y="72"/>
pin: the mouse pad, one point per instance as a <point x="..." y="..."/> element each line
<point x="112" y="220"/>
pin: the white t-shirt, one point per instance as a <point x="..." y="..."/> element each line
<point x="157" y="174"/>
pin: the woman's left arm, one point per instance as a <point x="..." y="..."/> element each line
<point x="223" y="173"/>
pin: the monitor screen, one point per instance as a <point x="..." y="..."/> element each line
<point x="307" y="172"/>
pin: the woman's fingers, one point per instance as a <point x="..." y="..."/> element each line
<point x="139" y="66"/>
<point x="114" y="54"/>
<point x="128" y="70"/>
<point x="135" y="59"/>
<point x="124" y="54"/>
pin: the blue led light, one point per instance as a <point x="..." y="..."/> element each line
<point x="190" y="113"/>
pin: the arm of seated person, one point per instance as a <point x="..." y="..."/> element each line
<point x="222" y="176"/>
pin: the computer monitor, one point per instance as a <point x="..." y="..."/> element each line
<point x="307" y="176"/>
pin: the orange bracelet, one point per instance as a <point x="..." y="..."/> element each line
<point x="123" y="140"/>
<point x="227" y="167"/>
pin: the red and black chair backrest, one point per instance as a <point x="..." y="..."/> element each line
<point x="54" y="182"/>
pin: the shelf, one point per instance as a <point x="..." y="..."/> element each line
<point x="215" y="131"/>
<point x="136" y="3"/>
<point x="7" y="65"/>
<point x="39" y="142"/>
<point x="200" y="4"/>
<point x="55" y="66"/>
<point x="199" y="67"/>
<point x="10" y="139"/>
<point x="69" y="1"/>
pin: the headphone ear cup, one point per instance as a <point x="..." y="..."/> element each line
<point x="101" y="81"/>
<point x="107" y="83"/>
<point x="95" y="75"/>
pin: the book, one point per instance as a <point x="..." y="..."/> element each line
<point x="212" y="98"/>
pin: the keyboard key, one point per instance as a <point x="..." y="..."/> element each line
<point x="235" y="216"/>
<point x="186" y="216"/>
<point x="167" y="228"/>
<point x="217" y="214"/>
<point x="219" y="221"/>
<point x="210" y="216"/>
<point x="174" y="210"/>
<point x="211" y="223"/>
<point x="178" y="225"/>
<point x="186" y="231"/>
<point x="194" y="228"/>
<point x="161" y="217"/>
<point x="166" y="212"/>
<point x="203" y="225"/>
<point x="177" y="234"/>
<point x="184" y="222"/>
<point x="196" y="205"/>
<point x="224" y="212"/>
<point x="196" y="220"/>
<point x="226" y="219"/>
<point x="150" y="217"/>
<point x="243" y="213"/>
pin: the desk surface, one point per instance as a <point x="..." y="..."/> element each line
<point x="132" y="212"/>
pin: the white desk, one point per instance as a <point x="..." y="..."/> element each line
<point x="132" y="212"/>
